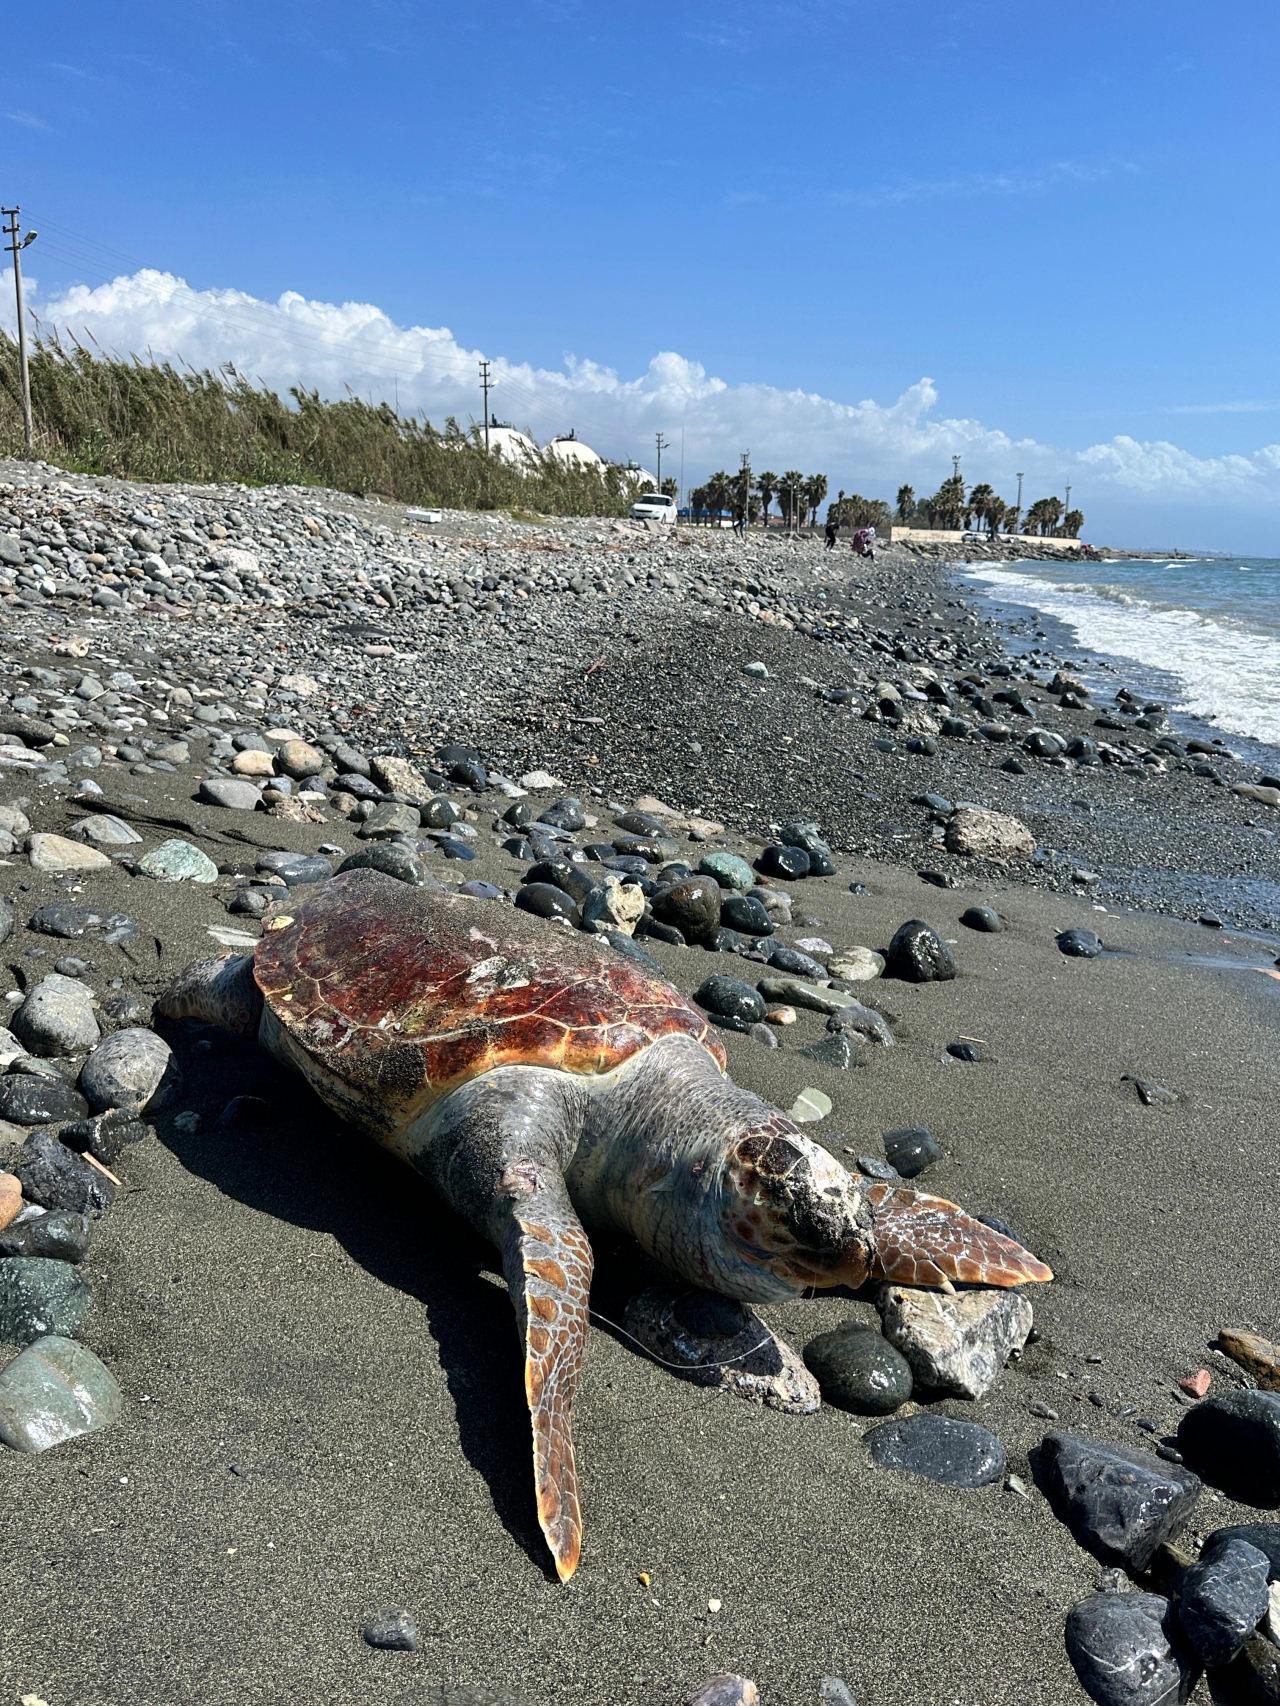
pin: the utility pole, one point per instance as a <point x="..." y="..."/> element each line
<point x="746" y="490"/>
<point x="955" y="467"/>
<point x="662" y="443"/>
<point x="1067" y="509"/>
<point x="15" y="247"/>
<point x="486" y="385"/>
<point x="1020" y="528"/>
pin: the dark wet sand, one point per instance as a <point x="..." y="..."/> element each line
<point x="324" y="1406"/>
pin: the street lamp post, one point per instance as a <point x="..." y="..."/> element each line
<point x="1019" y="505"/>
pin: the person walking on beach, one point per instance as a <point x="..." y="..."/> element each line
<point x="740" y="519"/>
<point x="829" y="532"/>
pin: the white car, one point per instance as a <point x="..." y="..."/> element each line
<point x="653" y="506"/>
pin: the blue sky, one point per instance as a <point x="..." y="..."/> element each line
<point x="1062" y="216"/>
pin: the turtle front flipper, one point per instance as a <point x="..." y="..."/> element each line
<point x="219" y="991"/>
<point x="547" y="1261"/>
<point x="923" y="1240"/>
<point x="497" y="1148"/>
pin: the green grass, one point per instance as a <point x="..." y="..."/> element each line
<point x="148" y="420"/>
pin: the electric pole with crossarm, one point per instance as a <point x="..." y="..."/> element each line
<point x="486" y="385"/>
<point x="663" y="443"/>
<point x="15" y="247"/>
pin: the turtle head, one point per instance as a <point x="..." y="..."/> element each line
<point x="791" y="1212"/>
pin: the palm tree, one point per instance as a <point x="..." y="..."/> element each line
<point x="789" y="495"/>
<point x="721" y="491"/>
<point x="668" y="487"/>
<point x="980" y="499"/>
<point x="1043" y="516"/>
<point x="812" y="493"/>
<point x="906" y="503"/>
<point x="1072" y="522"/>
<point x="1012" y="518"/>
<point x="766" y="485"/>
<point x="996" y="510"/>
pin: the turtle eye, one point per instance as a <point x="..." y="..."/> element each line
<point x="798" y="1195"/>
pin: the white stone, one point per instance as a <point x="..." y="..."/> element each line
<point x="955" y="1343"/>
<point x="55" y="855"/>
<point x="810" y="1105"/>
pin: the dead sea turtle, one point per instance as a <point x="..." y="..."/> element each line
<point x="539" y="1080"/>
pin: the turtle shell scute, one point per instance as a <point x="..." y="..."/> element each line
<point x="403" y="994"/>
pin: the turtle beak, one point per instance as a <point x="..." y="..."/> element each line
<point x="927" y="1241"/>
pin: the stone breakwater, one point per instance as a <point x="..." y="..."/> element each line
<point x="217" y="700"/>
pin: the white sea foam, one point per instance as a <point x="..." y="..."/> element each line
<point x="1230" y="674"/>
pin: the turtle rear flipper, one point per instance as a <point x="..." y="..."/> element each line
<point x="219" y="991"/>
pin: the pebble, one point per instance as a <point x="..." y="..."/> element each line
<point x="810" y="1105"/>
<point x="10" y="1199"/>
<point x="57" y="1017"/>
<point x="1256" y="1355"/>
<point x="977" y="834"/>
<point x="393" y="858"/>
<point x="1264" y="1535"/>
<point x="56" y="1177"/>
<point x="105" y="831"/>
<point x="857" y="1369"/>
<point x="229" y="792"/>
<point x="745" y="912"/>
<point x="390" y="818"/>
<point x="1233" y="1441"/>
<point x="836" y="1051"/>
<point x="30" y="1101"/>
<point x="731" y="999"/>
<point x="984" y="919"/>
<point x="58" y="1233"/>
<point x="544" y="900"/>
<point x="56" y="856"/>
<point x="856" y="965"/>
<point x="393" y="1630"/>
<point x="911" y="1150"/>
<point x="1124" y="1650"/>
<point x="725" y="1689"/>
<point x="125" y="1071"/>
<point x="691" y="906"/>
<point x="918" y="954"/>
<point x="53" y="1391"/>
<point x="39" y="1296"/>
<point x="7" y="919"/>
<point x="793" y="992"/>
<point x="68" y="921"/>
<point x="1222" y="1599"/>
<point x="1120" y="1502"/>
<point x="939" y="1448"/>
<point x="728" y="869"/>
<point x="786" y="862"/>
<point x="177" y="861"/>
<point x="1079" y="944"/>
<point x="956" y="1343"/>
<point x="1150" y="1094"/>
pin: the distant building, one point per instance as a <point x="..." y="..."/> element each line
<point x="505" y="441"/>
<point x="570" y="449"/>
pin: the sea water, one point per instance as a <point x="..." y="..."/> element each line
<point x="1200" y="634"/>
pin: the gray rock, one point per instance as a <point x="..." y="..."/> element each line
<point x="856" y="965"/>
<point x="1123" y="1648"/>
<point x="864" y="1022"/>
<point x="57" y="1233"/>
<point x="390" y="818"/>
<point x="395" y="858"/>
<point x="859" y="1370"/>
<point x="792" y="992"/>
<point x="1078" y="944"/>
<point x="977" y="834"/>
<point x="57" y="1017"/>
<point x="1222" y="1600"/>
<point x="918" y="954"/>
<point x="958" y="1454"/>
<point x="56" y="856"/>
<point x="911" y="1150"/>
<point x="726" y="1689"/>
<point x="1234" y="1442"/>
<point x="28" y="1100"/>
<point x="178" y="861"/>
<point x="105" y="831"/>
<point x="956" y="1344"/>
<point x="39" y="1296"/>
<point x="230" y="792"/>
<point x="393" y="1630"/>
<point x="126" y="1070"/>
<point x="56" y="1177"/>
<point x="399" y="776"/>
<point x="54" y="1391"/>
<point x="1123" y="1503"/>
<point x="6" y="919"/>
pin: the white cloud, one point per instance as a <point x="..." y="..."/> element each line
<point x="1014" y="182"/>
<point x="865" y="446"/>
<point x="28" y="121"/>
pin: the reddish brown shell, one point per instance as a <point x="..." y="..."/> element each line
<point x="389" y="996"/>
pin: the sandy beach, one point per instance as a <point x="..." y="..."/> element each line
<point x="323" y="1406"/>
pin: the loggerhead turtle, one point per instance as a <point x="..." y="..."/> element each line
<point x="539" y="1080"/>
